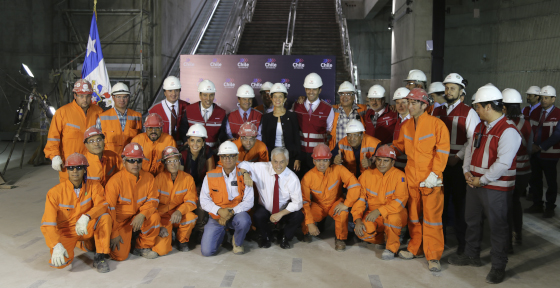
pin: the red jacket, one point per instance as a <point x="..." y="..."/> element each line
<point x="456" y="123"/>
<point x="549" y="124"/>
<point x="384" y="127"/>
<point x="314" y="128"/>
<point x="235" y="120"/>
<point x="158" y="109"/>
<point x="213" y="123"/>
<point x="523" y="165"/>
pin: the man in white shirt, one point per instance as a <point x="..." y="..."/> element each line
<point x="171" y="109"/>
<point x="280" y="198"/>
<point x="227" y="197"/>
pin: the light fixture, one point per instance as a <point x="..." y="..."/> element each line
<point x="52" y="109"/>
<point x="26" y="70"/>
<point x="28" y="75"/>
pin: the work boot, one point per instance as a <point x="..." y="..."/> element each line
<point x="264" y="242"/>
<point x="460" y="250"/>
<point x="463" y="260"/>
<point x="534" y="209"/>
<point x="237" y="249"/>
<point x="517" y="239"/>
<point x="548" y="213"/>
<point x="387" y="255"/>
<point x="339" y="245"/>
<point x="496" y="276"/>
<point x="100" y="263"/>
<point x="183" y="247"/>
<point x="285" y="243"/>
<point x="434" y="265"/>
<point x="406" y="255"/>
<point x="307" y="238"/>
<point x="146" y="253"/>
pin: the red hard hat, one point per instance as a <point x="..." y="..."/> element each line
<point x="92" y="131"/>
<point x="321" y="151"/>
<point x="248" y="129"/>
<point x="153" y="120"/>
<point x="418" y="94"/>
<point x="133" y="150"/>
<point x="83" y="86"/>
<point x="169" y="152"/>
<point x="386" y="151"/>
<point x="76" y="159"/>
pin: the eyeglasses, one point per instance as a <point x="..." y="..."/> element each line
<point x="228" y="157"/>
<point x="410" y="83"/>
<point x="346" y="94"/>
<point x="172" y="161"/>
<point x="121" y="97"/>
<point x="95" y="141"/>
<point x="134" y="160"/>
<point x="72" y="168"/>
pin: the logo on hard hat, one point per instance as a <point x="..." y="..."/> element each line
<point x="326" y="64"/>
<point x="256" y="84"/>
<point x="298" y="64"/>
<point x="243" y="63"/>
<point x="229" y="83"/>
<point x="169" y="150"/>
<point x="78" y="84"/>
<point x="285" y="82"/>
<point x="188" y="63"/>
<point x="270" y="63"/>
<point x="135" y="147"/>
<point x="216" y="63"/>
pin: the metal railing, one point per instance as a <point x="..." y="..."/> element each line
<point x="347" y="51"/>
<point x="203" y="30"/>
<point x="242" y="14"/>
<point x="289" y="43"/>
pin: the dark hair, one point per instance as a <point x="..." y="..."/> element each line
<point x="201" y="167"/>
<point x="513" y="110"/>
<point x="496" y="105"/>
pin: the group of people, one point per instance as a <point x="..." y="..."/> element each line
<point x="387" y="174"/>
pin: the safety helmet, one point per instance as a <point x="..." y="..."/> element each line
<point x="401" y="93"/>
<point x="153" y="120"/>
<point x="92" y="131"/>
<point x="487" y="93"/>
<point x="346" y="87"/>
<point x="206" y="86"/>
<point x="278" y="87"/>
<point x="436" y="87"/>
<point x="416" y="75"/>
<point x="169" y="152"/>
<point x="354" y="126"/>
<point x="228" y="147"/>
<point x="83" y="86"/>
<point x="386" y="151"/>
<point x="248" y="129"/>
<point x="548" y="91"/>
<point x="313" y="81"/>
<point x="197" y="130"/>
<point x="321" y="151"/>
<point x="418" y="94"/>
<point x="376" y="91"/>
<point x="120" y="89"/>
<point x="266" y="86"/>
<point x="245" y="91"/>
<point x="133" y="150"/>
<point x="455" y="79"/>
<point x="535" y="90"/>
<point x="76" y="159"/>
<point x="171" y="83"/>
<point x="511" y="96"/>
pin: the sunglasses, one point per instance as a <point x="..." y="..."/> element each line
<point x="134" y="161"/>
<point x="172" y="161"/>
<point x="72" y="168"/>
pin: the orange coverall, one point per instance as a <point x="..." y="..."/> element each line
<point x="102" y="170"/>
<point x="322" y="192"/>
<point x="66" y="133"/>
<point x="426" y="145"/>
<point x="115" y="137"/>
<point x="369" y="144"/>
<point x="152" y="151"/>
<point x="259" y="152"/>
<point x="179" y="195"/>
<point x="128" y="197"/>
<point x="63" y="209"/>
<point x="387" y="193"/>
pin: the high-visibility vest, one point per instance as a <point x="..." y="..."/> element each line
<point x="235" y="120"/>
<point x="213" y="123"/>
<point x="456" y="123"/>
<point x="313" y="129"/>
<point x="115" y="137"/>
<point x="549" y="124"/>
<point x="218" y="190"/>
<point x="523" y="166"/>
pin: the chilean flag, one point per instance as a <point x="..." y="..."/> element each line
<point x="94" y="69"/>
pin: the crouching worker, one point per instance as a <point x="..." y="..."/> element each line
<point x="227" y="198"/>
<point x="385" y="192"/>
<point x="177" y="201"/>
<point x="133" y="201"/>
<point x="76" y="210"/>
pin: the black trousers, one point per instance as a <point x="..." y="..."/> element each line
<point x="515" y="213"/>
<point x="548" y="166"/>
<point x="494" y="205"/>
<point x="306" y="164"/>
<point x="454" y="190"/>
<point x="291" y="222"/>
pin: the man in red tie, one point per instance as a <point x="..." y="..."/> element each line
<point x="244" y="113"/>
<point x="280" y="198"/>
<point x="171" y="109"/>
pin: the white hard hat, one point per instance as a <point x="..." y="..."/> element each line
<point x="376" y="91"/>
<point x="312" y="81"/>
<point x="490" y="85"/>
<point x="346" y="87"/>
<point x="354" y="126"/>
<point x="455" y="79"/>
<point x="511" y="96"/>
<point x="171" y="83"/>
<point x="535" y="90"/>
<point x="487" y="93"/>
<point x="436" y="87"/>
<point x="228" y="147"/>
<point x="548" y="91"/>
<point x="400" y="93"/>
<point x="416" y="75"/>
<point x="278" y="87"/>
<point x="120" y="89"/>
<point x="197" y="130"/>
<point x="266" y="86"/>
<point x="245" y="91"/>
<point x="206" y="86"/>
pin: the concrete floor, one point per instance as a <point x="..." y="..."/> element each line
<point x="25" y="256"/>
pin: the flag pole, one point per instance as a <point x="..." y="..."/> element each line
<point x="95" y="9"/>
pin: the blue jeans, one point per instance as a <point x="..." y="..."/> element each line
<point x="214" y="233"/>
